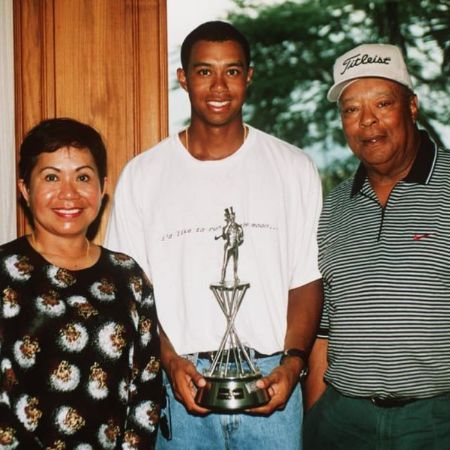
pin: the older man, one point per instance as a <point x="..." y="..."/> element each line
<point x="380" y="368"/>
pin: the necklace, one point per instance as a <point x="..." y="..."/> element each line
<point x="243" y="140"/>
<point x="77" y="263"/>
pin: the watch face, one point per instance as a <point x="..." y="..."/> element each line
<point x="303" y="374"/>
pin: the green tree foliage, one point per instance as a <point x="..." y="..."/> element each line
<point x="294" y="46"/>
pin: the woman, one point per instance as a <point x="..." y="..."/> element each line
<point x="79" y="349"/>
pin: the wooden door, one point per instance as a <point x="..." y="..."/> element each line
<point x="103" y="62"/>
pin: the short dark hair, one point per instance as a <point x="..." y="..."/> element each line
<point x="52" y="134"/>
<point x="214" y="31"/>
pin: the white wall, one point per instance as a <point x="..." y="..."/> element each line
<point x="7" y="140"/>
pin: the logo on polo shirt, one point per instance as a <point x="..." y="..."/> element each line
<point x="419" y="236"/>
<point x="357" y="60"/>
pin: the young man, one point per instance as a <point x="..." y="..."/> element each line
<point x="380" y="369"/>
<point x="168" y="209"/>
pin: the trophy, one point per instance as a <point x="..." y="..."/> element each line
<point x="231" y="378"/>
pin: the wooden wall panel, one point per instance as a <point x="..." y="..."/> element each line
<point x="103" y="62"/>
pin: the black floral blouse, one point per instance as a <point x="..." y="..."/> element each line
<point x="79" y="354"/>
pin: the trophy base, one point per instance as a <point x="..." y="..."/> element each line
<point x="231" y="394"/>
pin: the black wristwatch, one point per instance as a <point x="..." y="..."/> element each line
<point x="297" y="353"/>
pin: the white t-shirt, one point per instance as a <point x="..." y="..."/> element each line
<point x="169" y="207"/>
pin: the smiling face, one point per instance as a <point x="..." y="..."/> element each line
<point x="378" y="118"/>
<point x="216" y="80"/>
<point x="64" y="193"/>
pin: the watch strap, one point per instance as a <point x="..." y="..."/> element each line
<point x="296" y="352"/>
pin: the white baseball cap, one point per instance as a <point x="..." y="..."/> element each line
<point x="368" y="60"/>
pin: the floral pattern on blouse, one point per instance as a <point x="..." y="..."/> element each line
<point x="79" y="354"/>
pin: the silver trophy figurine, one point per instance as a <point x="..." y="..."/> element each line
<point x="231" y="378"/>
